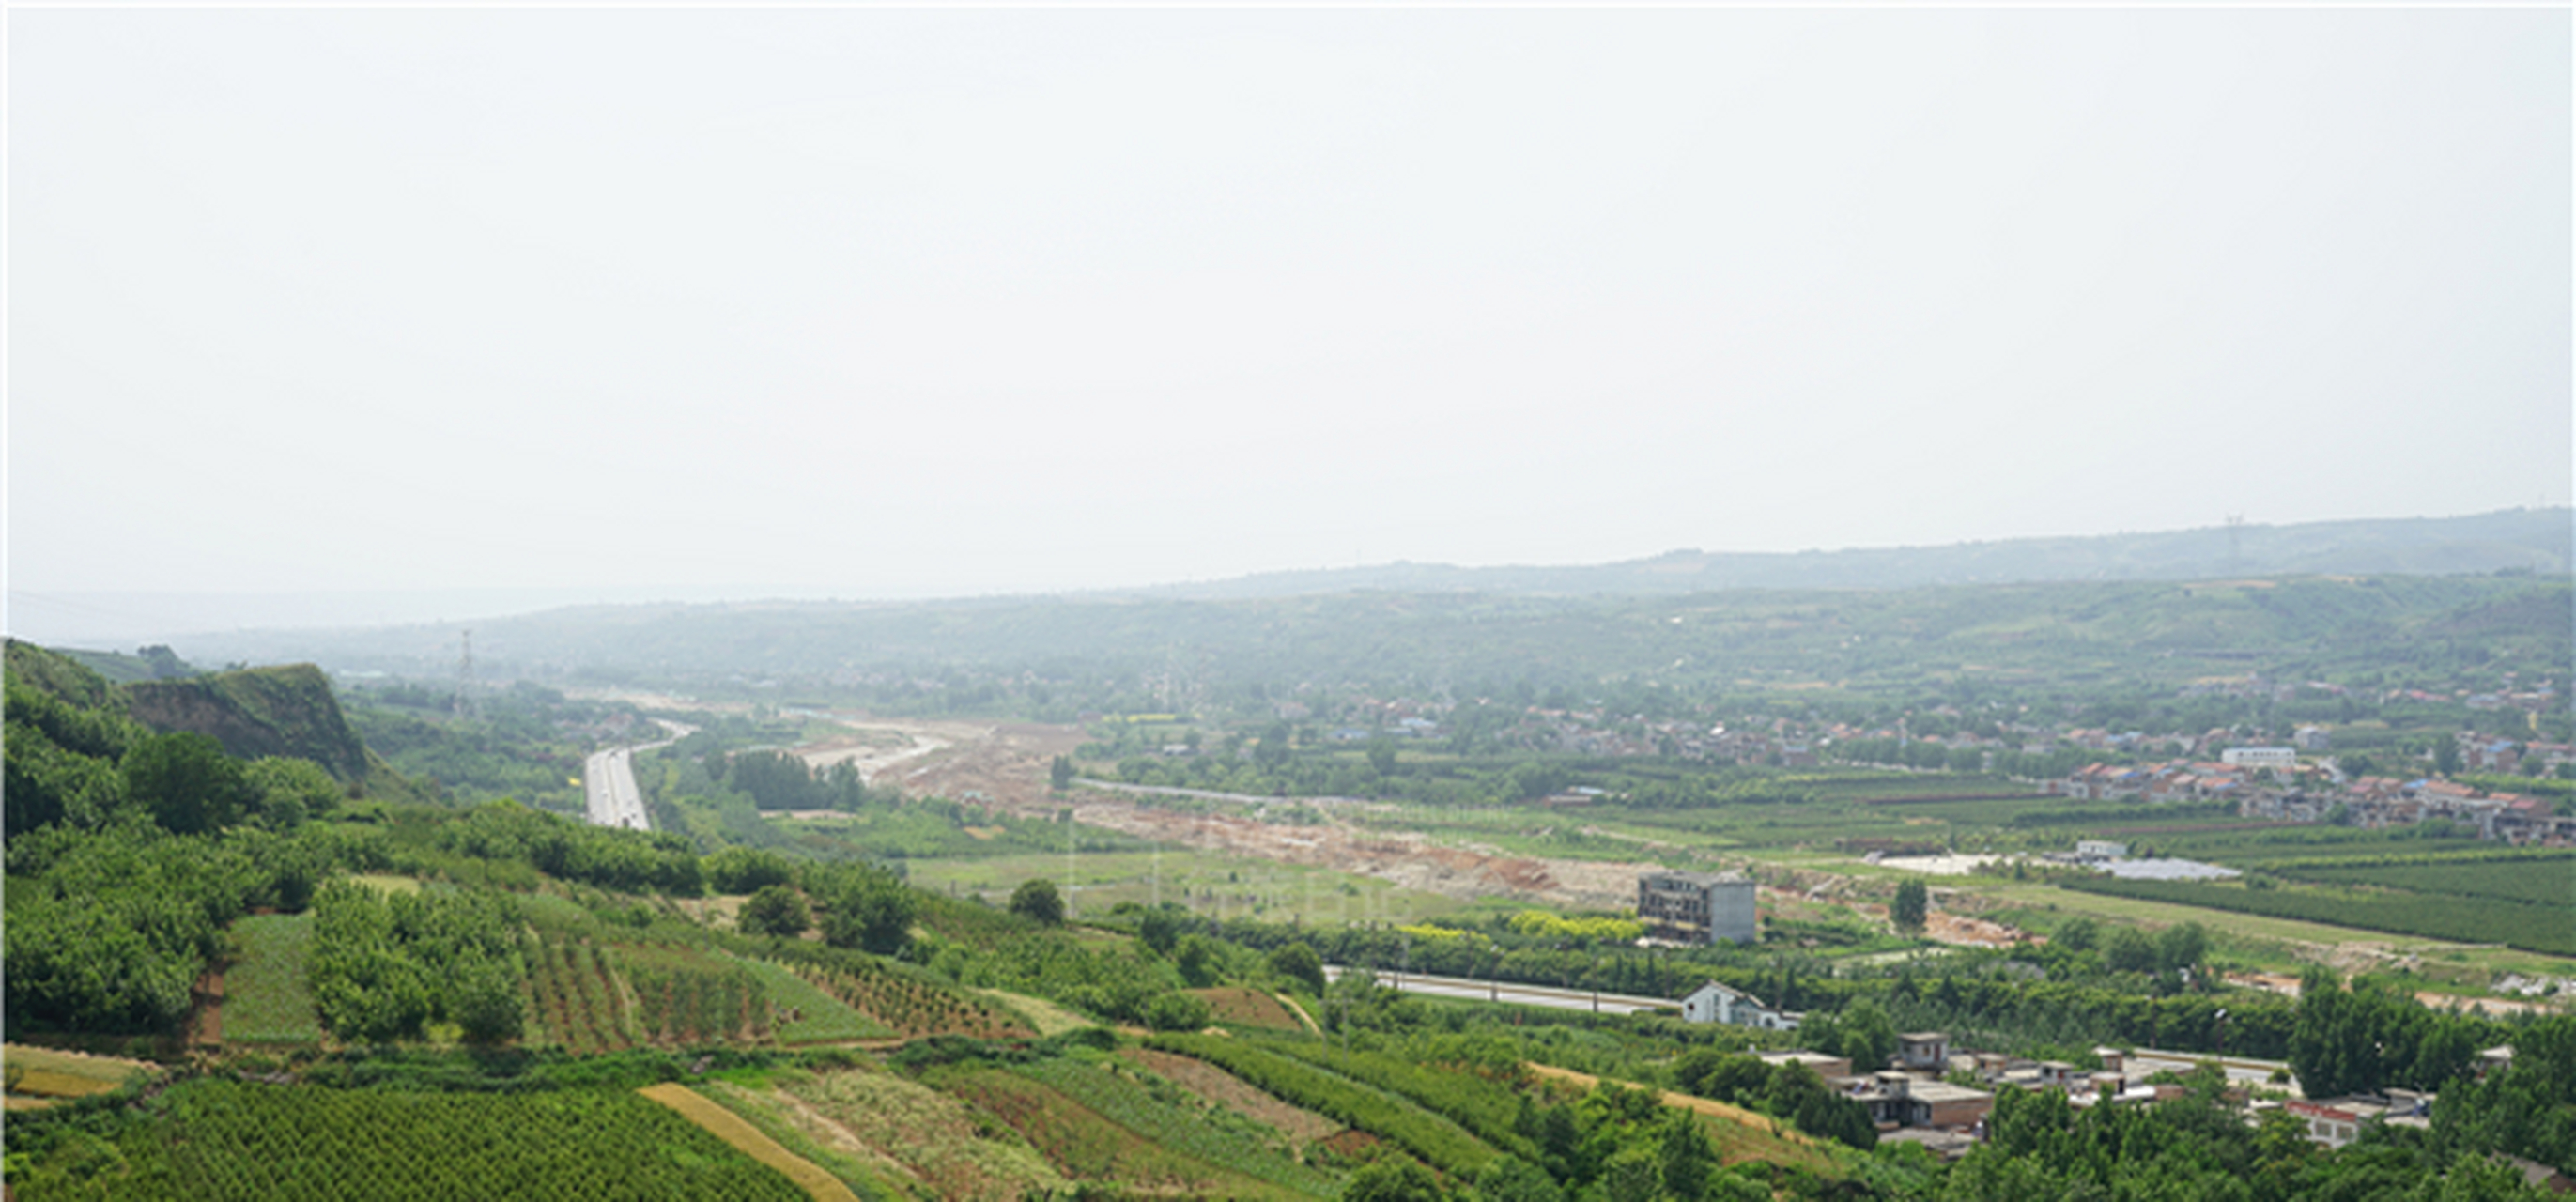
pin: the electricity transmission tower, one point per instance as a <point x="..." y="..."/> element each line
<point x="464" y="703"/>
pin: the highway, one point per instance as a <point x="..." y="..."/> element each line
<point x="1522" y="995"/>
<point x="608" y="781"/>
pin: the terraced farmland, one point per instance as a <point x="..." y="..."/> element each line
<point x="806" y="1014"/>
<point x="579" y="1003"/>
<point x="215" y="1139"/>
<point x="912" y="1007"/>
<point x="1085" y="1145"/>
<point x="933" y="1139"/>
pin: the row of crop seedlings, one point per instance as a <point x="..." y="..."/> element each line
<point x="683" y="997"/>
<point x="579" y="999"/>
<point x="1438" y="1140"/>
<point x="913" y="1008"/>
<point x="1488" y="1109"/>
<point x="218" y="1139"/>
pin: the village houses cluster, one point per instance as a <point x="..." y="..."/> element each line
<point x="1921" y="1094"/>
<point x="2274" y="783"/>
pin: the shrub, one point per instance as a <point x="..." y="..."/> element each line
<point x="776" y="910"/>
<point x="1037" y="900"/>
<point x="1177" y="1012"/>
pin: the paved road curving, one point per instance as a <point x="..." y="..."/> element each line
<point x="608" y="779"/>
<point x="1507" y="991"/>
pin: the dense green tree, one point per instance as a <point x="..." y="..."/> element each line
<point x="2129" y="950"/>
<point x="1911" y="905"/>
<point x="2527" y="1109"/>
<point x="292" y="790"/>
<point x="661" y="861"/>
<point x="1868" y="1035"/>
<point x="775" y="780"/>
<point x="383" y="967"/>
<point x="1398" y="1179"/>
<point x="2078" y="935"/>
<point x="47" y="783"/>
<point x="485" y="1002"/>
<point x="1037" y="900"/>
<point x="1685" y="1156"/>
<point x="1197" y="961"/>
<point x="187" y="783"/>
<point x="1272" y="752"/>
<point x="1381" y="754"/>
<point x="2181" y="946"/>
<point x="1298" y="962"/>
<point x="1159" y="927"/>
<point x="869" y="909"/>
<point x="1177" y="1011"/>
<point x="777" y="911"/>
<point x="1631" y="1172"/>
<point x="2375" y="1035"/>
<point x="747" y="870"/>
<point x="1512" y="1179"/>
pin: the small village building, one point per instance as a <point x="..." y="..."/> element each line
<point x="2335" y="1123"/>
<point x="1719" y="1003"/>
<point x="2542" y="1177"/>
<point x="1923" y="1051"/>
<point x="1901" y="1100"/>
<point x="2259" y="757"/>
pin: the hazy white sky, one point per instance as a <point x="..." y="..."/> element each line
<point x="897" y="303"/>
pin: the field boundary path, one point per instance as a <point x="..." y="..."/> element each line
<point x="608" y="780"/>
<point x="733" y="1129"/>
<point x="1300" y="1012"/>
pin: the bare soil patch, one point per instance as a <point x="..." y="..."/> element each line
<point x="1963" y="931"/>
<point x="206" y="1023"/>
<point x="1005" y="766"/>
<point x="1249" y="1008"/>
<point x="1355" y="1145"/>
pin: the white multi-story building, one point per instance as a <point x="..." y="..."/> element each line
<point x="2259" y="757"/>
<point x="1696" y="907"/>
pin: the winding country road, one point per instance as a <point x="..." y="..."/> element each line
<point x="608" y="780"/>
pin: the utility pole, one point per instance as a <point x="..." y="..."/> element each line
<point x="464" y="703"/>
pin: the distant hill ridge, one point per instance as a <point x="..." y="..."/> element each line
<point x="2542" y="541"/>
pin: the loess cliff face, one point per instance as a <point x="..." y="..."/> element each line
<point x="283" y="711"/>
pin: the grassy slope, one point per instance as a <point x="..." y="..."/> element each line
<point x="267" y="998"/>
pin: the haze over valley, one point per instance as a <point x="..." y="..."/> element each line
<point x="1302" y="602"/>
